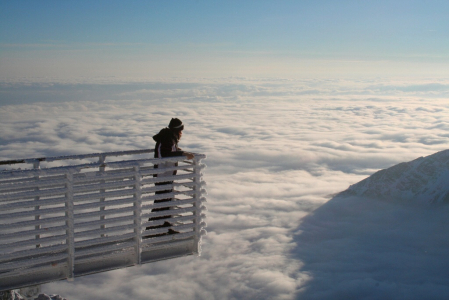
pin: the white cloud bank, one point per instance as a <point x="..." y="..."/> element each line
<point x="276" y="149"/>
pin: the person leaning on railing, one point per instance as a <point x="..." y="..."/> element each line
<point x="167" y="146"/>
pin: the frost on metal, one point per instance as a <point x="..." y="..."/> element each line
<point x="64" y="219"/>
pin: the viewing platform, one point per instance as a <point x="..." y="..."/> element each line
<point x="69" y="216"/>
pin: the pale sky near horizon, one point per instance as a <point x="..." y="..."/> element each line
<point x="65" y="39"/>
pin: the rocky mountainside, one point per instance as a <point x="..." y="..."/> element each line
<point x="425" y="179"/>
<point x="15" y="295"/>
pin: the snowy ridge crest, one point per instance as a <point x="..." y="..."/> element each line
<point x="423" y="180"/>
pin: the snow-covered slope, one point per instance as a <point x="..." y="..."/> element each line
<point x="425" y="179"/>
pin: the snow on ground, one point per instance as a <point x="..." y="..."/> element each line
<point x="423" y="180"/>
<point x="277" y="152"/>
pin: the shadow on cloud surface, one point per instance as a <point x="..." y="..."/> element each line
<point x="359" y="248"/>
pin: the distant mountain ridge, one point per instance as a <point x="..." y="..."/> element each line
<point x="425" y="179"/>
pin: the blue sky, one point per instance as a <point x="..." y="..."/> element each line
<point x="223" y="38"/>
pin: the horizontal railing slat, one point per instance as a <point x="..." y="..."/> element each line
<point x="106" y="212"/>
<point x="103" y="240"/>
<point x="33" y="252"/>
<point x="174" y="203"/>
<point x="39" y="193"/>
<point x="170" y="220"/>
<point x="167" y="195"/>
<point x="150" y="232"/>
<point x="83" y="224"/>
<point x="40" y="222"/>
<point x="32" y="262"/>
<point x="35" y="270"/>
<point x="41" y="182"/>
<point x="96" y="196"/>
<point x="169" y="212"/>
<point x="29" y="178"/>
<point x="77" y="156"/>
<point x="33" y="232"/>
<point x="18" y="244"/>
<point x="27" y="204"/>
<point x="43" y="211"/>
<point x="167" y="186"/>
<point x="101" y="250"/>
<point x="167" y="238"/>
<point x="108" y="185"/>
<point x="167" y="178"/>
<point x="108" y="230"/>
<point x="108" y="203"/>
<point x="115" y="174"/>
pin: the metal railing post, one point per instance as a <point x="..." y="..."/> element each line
<point x="70" y="232"/>
<point x="36" y="166"/>
<point x="197" y="204"/>
<point x="102" y="199"/>
<point x="137" y="214"/>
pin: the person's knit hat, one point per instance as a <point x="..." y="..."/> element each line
<point x="176" y="124"/>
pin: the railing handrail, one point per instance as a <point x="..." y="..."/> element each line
<point x="100" y="163"/>
<point x="75" y="156"/>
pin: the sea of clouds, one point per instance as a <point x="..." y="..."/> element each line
<point x="277" y="151"/>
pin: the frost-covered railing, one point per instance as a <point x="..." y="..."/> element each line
<point x="60" y="220"/>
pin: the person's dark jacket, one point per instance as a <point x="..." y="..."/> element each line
<point x="166" y="146"/>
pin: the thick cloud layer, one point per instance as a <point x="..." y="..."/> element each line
<point x="276" y="150"/>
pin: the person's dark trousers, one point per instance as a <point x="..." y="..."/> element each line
<point x="166" y="224"/>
